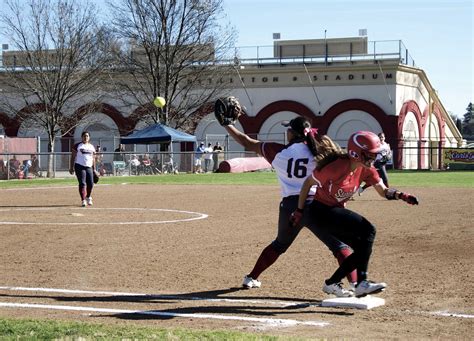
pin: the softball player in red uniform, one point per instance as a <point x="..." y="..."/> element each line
<point x="338" y="176"/>
<point x="292" y="163"/>
<point x="83" y="164"/>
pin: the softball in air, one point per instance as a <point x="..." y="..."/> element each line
<point x="159" y="102"/>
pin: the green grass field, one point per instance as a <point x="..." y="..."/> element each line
<point x="12" y="329"/>
<point x="396" y="178"/>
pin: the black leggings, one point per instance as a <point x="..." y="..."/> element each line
<point x="85" y="179"/>
<point x="350" y="228"/>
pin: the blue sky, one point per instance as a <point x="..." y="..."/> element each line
<point x="437" y="33"/>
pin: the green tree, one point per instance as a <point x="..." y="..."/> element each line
<point x="468" y="124"/>
<point x="468" y="115"/>
<point x="59" y="50"/>
<point x="172" y="49"/>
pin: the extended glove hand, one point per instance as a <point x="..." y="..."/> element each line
<point x="227" y="110"/>
<point x="295" y="217"/>
<point x="411" y="199"/>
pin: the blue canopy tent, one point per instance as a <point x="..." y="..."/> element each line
<point x="157" y="133"/>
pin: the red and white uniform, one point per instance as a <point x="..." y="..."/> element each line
<point x="292" y="163"/>
<point x="337" y="183"/>
<point x="85" y="154"/>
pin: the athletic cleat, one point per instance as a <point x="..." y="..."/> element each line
<point x="368" y="287"/>
<point x="250" y="283"/>
<point x="360" y="190"/>
<point x="337" y="289"/>
<point x="89" y="201"/>
<point x="84" y="203"/>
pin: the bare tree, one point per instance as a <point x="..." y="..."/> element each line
<point x="171" y="48"/>
<point x="59" y="49"/>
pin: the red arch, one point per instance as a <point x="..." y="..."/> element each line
<point x="411" y="106"/>
<point x="124" y="125"/>
<point x="252" y="125"/>
<point x="441" y="121"/>
<point x="385" y="121"/>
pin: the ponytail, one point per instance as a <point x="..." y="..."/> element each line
<point x="324" y="149"/>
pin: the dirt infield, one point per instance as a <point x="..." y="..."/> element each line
<point x="188" y="248"/>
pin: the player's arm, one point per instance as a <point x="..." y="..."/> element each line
<point x="73" y="159"/>
<point x="297" y="215"/>
<point x="395" y="194"/>
<point x="244" y="140"/>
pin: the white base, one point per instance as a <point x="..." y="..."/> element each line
<point x="367" y="302"/>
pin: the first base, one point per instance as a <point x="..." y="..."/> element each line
<point x="367" y="302"/>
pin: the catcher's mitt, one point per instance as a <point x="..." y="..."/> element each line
<point x="96" y="177"/>
<point x="227" y="110"/>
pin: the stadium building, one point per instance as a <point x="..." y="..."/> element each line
<point x="342" y="85"/>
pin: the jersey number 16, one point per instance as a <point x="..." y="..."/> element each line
<point x="297" y="168"/>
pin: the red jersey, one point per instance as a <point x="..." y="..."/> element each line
<point x="337" y="183"/>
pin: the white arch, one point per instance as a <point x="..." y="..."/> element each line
<point x="272" y="130"/>
<point x="349" y="122"/>
<point x="410" y="146"/>
<point x="432" y="135"/>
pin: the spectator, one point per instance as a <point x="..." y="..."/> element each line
<point x="14" y="167"/>
<point x="119" y="154"/>
<point x="3" y="171"/>
<point x="384" y="156"/>
<point x="99" y="157"/>
<point x="135" y="164"/>
<point x="35" y="168"/>
<point x="197" y="158"/>
<point x="26" y="168"/>
<point x="215" y="156"/>
<point x="208" y="151"/>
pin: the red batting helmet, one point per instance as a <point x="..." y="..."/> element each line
<point x="363" y="146"/>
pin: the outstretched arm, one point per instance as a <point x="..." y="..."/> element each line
<point x="394" y="194"/>
<point x="243" y="139"/>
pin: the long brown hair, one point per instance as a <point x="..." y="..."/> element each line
<point x="327" y="150"/>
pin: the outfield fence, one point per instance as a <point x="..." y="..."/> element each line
<point x="27" y="165"/>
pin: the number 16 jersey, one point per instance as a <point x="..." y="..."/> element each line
<point x="292" y="163"/>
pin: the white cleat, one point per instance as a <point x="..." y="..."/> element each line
<point x="250" y="283"/>
<point x="89" y="201"/>
<point x="84" y="203"/>
<point x="337" y="289"/>
<point x="366" y="287"/>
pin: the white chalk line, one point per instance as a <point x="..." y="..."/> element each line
<point x="198" y="216"/>
<point x="446" y="313"/>
<point x="268" y="322"/>
<point x="176" y="296"/>
<point x="282" y="323"/>
<point x="141" y="295"/>
<point x="283" y="304"/>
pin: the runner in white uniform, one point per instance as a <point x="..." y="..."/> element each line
<point x="293" y="163"/>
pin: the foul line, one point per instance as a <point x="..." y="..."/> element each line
<point x="265" y="321"/>
<point x="141" y="295"/>
<point x="446" y="313"/>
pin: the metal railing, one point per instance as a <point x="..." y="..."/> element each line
<point x="265" y="55"/>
